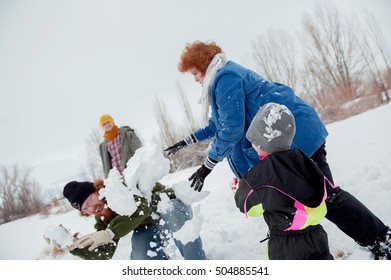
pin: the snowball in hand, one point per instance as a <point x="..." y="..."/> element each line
<point x="60" y="235"/>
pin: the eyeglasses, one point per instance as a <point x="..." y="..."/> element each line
<point x="89" y="206"/>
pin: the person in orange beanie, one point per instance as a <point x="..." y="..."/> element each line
<point x="119" y="145"/>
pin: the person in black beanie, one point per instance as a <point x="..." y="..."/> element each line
<point x="145" y="223"/>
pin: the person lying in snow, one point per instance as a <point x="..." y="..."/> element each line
<point x="151" y="229"/>
<point x="286" y="187"/>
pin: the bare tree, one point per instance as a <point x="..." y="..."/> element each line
<point x="341" y="64"/>
<point x="375" y="54"/>
<point x="273" y="57"/>
<point x="190" y="122"/>
<point x="332" y="54"/>
<point x="169" y="134"/>
<point x="377" y="36"/>
<point x="166" y="125"/>
<point x="19" y="193"/>
<point x="93" y="167"/>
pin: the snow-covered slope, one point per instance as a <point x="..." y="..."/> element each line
<point x="359" y="153"/>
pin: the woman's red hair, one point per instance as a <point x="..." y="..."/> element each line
<point x="199" y="55"/>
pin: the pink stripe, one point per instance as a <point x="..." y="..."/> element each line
<point x="331" y="184"/>
<point x="245" y="203"/>
<point x="300" y="217"/>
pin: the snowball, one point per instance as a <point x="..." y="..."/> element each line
<point x="60" y="235"/>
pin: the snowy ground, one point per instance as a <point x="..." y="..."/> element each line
<point x="359" y="154"/>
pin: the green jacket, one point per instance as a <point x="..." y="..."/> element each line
<point x="122" y="225"/>
<point x="129" y="144"/>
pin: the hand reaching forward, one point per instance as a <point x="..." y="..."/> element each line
<point x="94" y="240"/>
<point x="172" y="150"/>
<point x="199" y="176"/>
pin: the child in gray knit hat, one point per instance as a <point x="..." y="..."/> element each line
<point x="286" y="187"/>
<point x="272" y="129"/>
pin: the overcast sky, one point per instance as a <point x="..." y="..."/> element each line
<point x="65" y="63"/>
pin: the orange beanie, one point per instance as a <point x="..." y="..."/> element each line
<point x="105" y="118"/>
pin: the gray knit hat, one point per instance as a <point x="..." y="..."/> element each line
<point x="273" y="128"/>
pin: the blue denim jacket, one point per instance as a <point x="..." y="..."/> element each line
<point x="236" y="95"/>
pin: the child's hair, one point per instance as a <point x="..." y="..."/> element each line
<point x="98" y="184"/>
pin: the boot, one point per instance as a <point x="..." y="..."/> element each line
<point x="381" y="249"/>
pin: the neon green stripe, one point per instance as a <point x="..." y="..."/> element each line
<point x="256" y="211"/>
<point x="315" y="215"/>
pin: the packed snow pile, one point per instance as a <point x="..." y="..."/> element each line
<point x="58" y="239"/>
<point x="186" y="194"/>
<point x="60" y="235"/>
<point x="118" y="195"/>
<point x="145" y="168"/>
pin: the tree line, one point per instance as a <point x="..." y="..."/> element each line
<point x="339" y="64"/>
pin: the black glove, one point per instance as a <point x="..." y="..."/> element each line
<point x="180" y="145"/>
<point x="199" y="176"/>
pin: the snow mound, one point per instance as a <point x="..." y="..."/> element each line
<point x="145" y="168"/>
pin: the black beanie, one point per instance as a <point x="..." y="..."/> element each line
<point x="77" y="193"/>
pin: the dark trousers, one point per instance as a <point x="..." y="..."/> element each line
<point x="347" y="212"/>
<point x="308" y="244"/>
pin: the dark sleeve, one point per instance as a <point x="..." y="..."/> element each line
<point x="241" y="194"/>
<point x="249" y="201"/>
<point x="105" y="157"/>
<point x="133" y="140"/>
<point x="122" y="225"/>
<point x="103" y="252"/>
